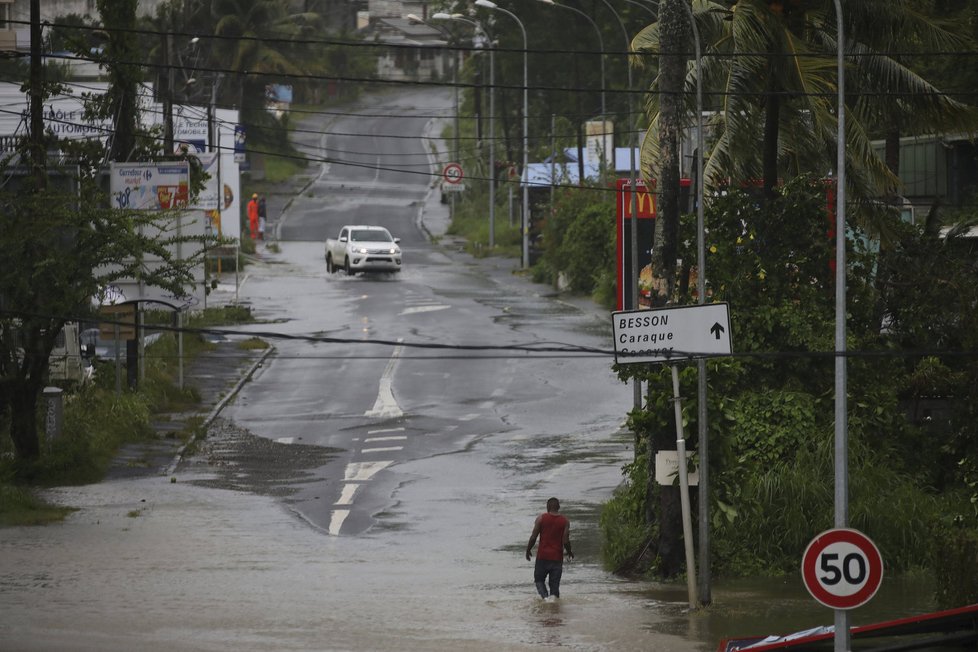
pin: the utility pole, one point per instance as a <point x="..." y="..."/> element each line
<point x="37" y="148"/>
<point x="168" y="96"/>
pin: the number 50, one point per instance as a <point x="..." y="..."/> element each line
<point x="852" y="568"/>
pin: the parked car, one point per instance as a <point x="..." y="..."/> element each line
<point x="363" y="248"/>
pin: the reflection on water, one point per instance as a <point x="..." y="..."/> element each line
<point x="765" y="606"/>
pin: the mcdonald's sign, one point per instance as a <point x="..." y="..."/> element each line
<point x="645" y="210"/>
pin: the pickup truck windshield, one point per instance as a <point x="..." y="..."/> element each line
<point x="370" y="236"/>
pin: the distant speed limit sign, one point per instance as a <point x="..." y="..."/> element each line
<point x="842" y="568"/>
<point x="452" y="173"/>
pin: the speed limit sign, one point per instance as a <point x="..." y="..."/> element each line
<point x="842" y="568"/>
<point x="453" y="173"/>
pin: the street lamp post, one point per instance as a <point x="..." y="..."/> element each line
<point x="488" y="4"/>
<point x="492" y="118"/>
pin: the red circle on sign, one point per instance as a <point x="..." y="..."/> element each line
<point x="819" y="556"/>
<point x="453" y="173"/>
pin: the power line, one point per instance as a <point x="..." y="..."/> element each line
<point x="508" y="351"/>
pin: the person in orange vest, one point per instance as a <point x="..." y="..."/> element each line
<point x="253" y="216"/>
<point x="553" y="528"/>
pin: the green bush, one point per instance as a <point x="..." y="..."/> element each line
<point x="625" y="533"/>
<point x="955" y="561"/>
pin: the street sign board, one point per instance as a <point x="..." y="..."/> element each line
<point x="453" y="173"/>
<point x="842" y="568"/>
<point x="668" y="334"/>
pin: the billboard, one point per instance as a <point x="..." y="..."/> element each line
<point x="149" y="186"/>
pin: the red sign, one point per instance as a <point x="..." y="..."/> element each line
<point x="453" y="173"/>
<point x="842" y="568"/>
<point x="645" y="209"/>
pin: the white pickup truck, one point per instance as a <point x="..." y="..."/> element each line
<point x="361" y="248"/>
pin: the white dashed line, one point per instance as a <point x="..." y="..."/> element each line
<point x="380" y="430"/>
<point x="394" y="438"/>
<point x="419" y="309"/>
<point x="385" y="449"/>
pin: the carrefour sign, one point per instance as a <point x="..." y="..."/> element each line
<point x="150" y="186"/>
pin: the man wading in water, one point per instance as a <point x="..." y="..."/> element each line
<point x="553" y="529"/>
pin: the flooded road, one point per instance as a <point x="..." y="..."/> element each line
<point x="410" y="490"/>
<point x="151" y="565"/>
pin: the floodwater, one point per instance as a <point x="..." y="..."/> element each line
<point x="153" y="565"/>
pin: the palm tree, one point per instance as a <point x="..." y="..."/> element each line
<point x="773" y="73"/>
<point x="253" y="41"/>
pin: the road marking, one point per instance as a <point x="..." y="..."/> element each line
<point x="380" y="430"/>
<point x="363" y="471"/>
<point x="285" y="440"/>
<point x="419" y="309"/>
<point x="346" y="496"/>
<point x="385" y="449"/>
<point x="394" y="438"/>
<point x="336" y="521"/>
<point x="386" y="405"/>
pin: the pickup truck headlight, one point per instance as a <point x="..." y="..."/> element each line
<point x="395" y="251"/>
<point x="359" y="250"/>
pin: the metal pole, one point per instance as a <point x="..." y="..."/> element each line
<point x="526" y="147"/>
<point x="180" y="349"/>
<point x="633" y="145"/>
<point x="492" y="115"/>
<point x="684" y="491"/>
<point x="701" y="399"/>
<point x="525" y="223"/>
<point x="842" y="639"/>
<point x="492" y="144"/>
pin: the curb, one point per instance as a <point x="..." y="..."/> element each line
<point x="217" y="409"/>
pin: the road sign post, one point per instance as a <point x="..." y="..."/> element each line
<point x="670" y="335"/>
<point x="842" y="568"/>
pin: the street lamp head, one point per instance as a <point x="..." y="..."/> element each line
<point x="486" y="3"/>
<point x="548" y="2"/>
<point x="441" y="15"/>
<point x="414" y="19"/>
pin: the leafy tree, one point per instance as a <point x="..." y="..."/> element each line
<point x="120" y="54"/>
<point x="579" y="239"/>
<point x="66" y="252"/>
<point x="774" y="71"/>
<point x="771" y="408"/>
<point x="66" y="245"/>
<point x="253" y="41"/>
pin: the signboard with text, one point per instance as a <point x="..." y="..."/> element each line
<point x="645" y="210"/>
<point x="149" y="186"/>
<point x="670" y="334"/>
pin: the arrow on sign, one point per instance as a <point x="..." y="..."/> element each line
<point x="717" y="329"/>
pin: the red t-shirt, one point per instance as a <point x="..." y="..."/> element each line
<point x="552" y="528"/>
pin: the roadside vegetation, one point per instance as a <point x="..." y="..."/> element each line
<point x="912" y="319"/>
<point x="98" y="421"/>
